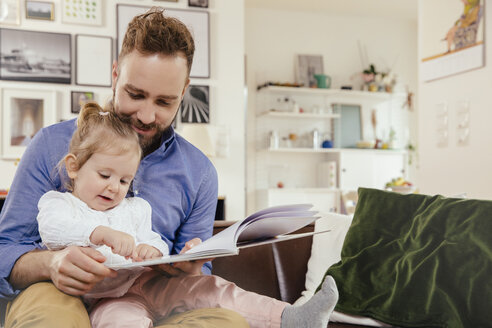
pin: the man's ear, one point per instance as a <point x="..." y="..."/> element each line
<point x="71" y="165"/>
<point x="114" y="74"/>
<point x="185" y="87"/>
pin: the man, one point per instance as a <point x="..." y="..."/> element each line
<point x="149" y="81"/>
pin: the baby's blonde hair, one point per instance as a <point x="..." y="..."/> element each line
<point x="100" y="130"/>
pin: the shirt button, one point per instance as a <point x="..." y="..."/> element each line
<point x="136" y="192"/>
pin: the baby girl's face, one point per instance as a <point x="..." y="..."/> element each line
<point x="103" y="181"/>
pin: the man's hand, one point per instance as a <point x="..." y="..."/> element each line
<point x="75" y="270"/>
<point x="188" y="267"/>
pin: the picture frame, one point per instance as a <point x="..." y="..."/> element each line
<point x="195" y="107"/>
<point x="24" y="113"/>
<point x="196" y="20"/>
<point x="306" y="67"/>
<point x="454" y="41"/>
<point x="50" y="63"/>
<point x="43" y="10"/>
<point x="79" y="99"/>
<point x="83" y="12"/>
<point x="93" y="60"/>
<point x="198" y="3"/>
<point x="9" y="12"/>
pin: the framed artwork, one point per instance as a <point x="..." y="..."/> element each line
<point x="93" y="60"/>
<point x="25" y="112"/>
<point x="35" y="56"/>
<point x="198" y="3"/>
<point x="306" y="67"/>
<point x="454" y="40"/>
<point x="79" y="99"/>
<point x="86" y="12"/>
<point x="196" y="20"/>
<point x="9" y="12"/>
<point x="43" y="10"/>
<point x="195" y="105"/>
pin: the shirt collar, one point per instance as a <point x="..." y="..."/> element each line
<point x="166" y="140"/>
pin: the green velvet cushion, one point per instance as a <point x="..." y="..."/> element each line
<point x="418" y="261"/>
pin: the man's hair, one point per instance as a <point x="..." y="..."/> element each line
<point x="154" y="32"/>
<point x="97" y="131"/>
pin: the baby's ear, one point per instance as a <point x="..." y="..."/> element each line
<point x="71" y="165"/>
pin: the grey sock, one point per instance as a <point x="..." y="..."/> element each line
<point x="316" y="312"/>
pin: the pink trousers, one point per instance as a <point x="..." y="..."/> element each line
<point x="153" y="297"/>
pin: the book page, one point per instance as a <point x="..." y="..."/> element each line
<point x="271" y="227"/>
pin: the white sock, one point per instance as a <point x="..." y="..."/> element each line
<point x="316" y="312"/>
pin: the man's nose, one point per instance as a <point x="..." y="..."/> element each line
<point x="146" y="113"/>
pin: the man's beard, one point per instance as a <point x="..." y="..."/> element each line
<point x="148" y="144"/>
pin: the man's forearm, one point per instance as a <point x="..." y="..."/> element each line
<point x="30" y="268"/>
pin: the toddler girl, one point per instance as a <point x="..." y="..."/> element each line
<point x="103" y="158"/>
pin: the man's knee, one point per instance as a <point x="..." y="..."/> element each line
<point x="205" y="318"/>
<point x="43" y="305"/>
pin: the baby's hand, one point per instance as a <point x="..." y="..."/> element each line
<point x="146" y="252"/>
<point x="120" y="242"/>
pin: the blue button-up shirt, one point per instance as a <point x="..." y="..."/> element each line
<point x="178" y="181"/>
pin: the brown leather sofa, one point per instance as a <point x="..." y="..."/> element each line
<point x="277" y="270"/>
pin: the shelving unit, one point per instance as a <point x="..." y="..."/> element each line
<point x="274" y="114"/>
<point x="296" y="164"/>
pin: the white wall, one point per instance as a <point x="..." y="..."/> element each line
<point x="456" y="169"/>
<point x="273" y="38"/>
<point x="226" y="85"/>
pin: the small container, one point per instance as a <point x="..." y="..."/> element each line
<point x="316" y="138"/>
<point x="274" y="140"/>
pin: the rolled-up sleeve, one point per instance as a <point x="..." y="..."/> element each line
<point x="18" y="226"/>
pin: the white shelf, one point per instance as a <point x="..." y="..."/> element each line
<point x="333" y="150"/>
<point x="279" y="114"/>
<point x="336" y="94"/>
<point x="303" y="150"/>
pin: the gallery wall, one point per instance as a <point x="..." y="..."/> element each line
<point x="225" y="83"/>
<point x="455" y="168"/>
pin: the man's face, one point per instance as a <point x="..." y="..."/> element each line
<point x="147" y="91"/>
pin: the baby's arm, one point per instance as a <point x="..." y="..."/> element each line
<point x="121" y="243"/>
<point x="146" y="252"/>
<point x="58" y="224"/>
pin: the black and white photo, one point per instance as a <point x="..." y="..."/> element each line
<point x="43" y="10"/>
<point x="195" y="105"/>
<point x="35" y="56"/>
<point x="198" y="3"/>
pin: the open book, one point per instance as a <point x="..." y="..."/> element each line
<point x="264" y="227"/>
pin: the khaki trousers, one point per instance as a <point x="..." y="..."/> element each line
<point x="43" y="305"/>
